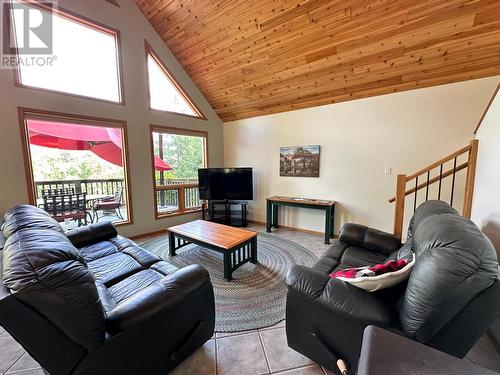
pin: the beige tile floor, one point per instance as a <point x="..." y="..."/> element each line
<point x="262" y="351"/>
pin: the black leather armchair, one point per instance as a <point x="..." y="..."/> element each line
<point x="450" y="299"/>
<point x="93" y="302"/>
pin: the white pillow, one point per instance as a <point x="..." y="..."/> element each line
<point x="384" y="281"/>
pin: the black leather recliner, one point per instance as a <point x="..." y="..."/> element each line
<point x="448" y="302"/>
<point x="93" y="302"/>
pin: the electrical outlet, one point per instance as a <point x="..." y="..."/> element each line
<point x="387" y="171"/>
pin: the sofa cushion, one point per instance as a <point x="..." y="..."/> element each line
<point x="140" y="280"/>
<point x="113" y="268"/>
<point x="121" y="269"/>
<point x="369" y="238"/>
<point x="360" y="257"/>
<point x="454" y="263"/>
<point x="46" y="272"/>
<point x="28" y="217"/>
<point x="331" y="257"/>
<point x="114" y="260"/>
<point x="91" y="234"/>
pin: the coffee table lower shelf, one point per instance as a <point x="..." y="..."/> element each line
<point x="234" y="257"/>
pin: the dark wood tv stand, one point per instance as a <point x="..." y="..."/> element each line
<point x="222" y="212"/>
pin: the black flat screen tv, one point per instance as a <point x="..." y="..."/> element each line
<point x="225" y="184"/>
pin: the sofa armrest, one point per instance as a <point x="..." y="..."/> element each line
<point x="338" y="296"/>
<point x="369" y="238"/>
<point x="157" y="299"/>
<point x="91" y="234"/>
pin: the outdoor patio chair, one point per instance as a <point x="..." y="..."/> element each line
<point x="67" y="206"/>
<point x="109" y="204"/>
<point x="58" y="191"/>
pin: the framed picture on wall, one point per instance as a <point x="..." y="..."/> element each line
<point x="299" y="161"/>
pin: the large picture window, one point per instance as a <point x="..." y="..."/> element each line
<point x="86" y="61"/>
<point x="183" y="152"/>
<point x="77" y="167"/>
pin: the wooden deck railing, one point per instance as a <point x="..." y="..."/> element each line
<point x="176" y="194"/>
<point x="183" y="196"/>
<point x="425" y="175"/>
<point x="90" y="186"/>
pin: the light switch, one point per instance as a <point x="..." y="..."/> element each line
<point x="387" y="171"/>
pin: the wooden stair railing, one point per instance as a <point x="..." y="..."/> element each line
<point x="403" y="180"/>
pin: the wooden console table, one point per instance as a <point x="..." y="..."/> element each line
<point x="318" y="204"/>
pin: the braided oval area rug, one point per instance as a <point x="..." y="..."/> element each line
<point x="256" y="296"/>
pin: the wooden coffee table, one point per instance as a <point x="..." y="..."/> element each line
<point x="237" y="245"/>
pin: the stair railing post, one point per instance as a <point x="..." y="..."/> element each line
<point x="400" y="205"/>
<point x="471" y="175"/>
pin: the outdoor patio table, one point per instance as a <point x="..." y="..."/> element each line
<point x="90" y="198"/>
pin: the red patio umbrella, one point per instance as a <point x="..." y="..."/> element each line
<point x="104" y="142"/>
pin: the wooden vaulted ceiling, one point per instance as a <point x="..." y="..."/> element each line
<point x="256" y="57"/>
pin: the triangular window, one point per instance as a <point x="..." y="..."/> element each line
<point x="165" y="94"/>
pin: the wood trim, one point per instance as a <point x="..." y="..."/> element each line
<point x="28" y="170"/>
<point x="150" y="51"/>
<point x="180" y="187"/>
<point x="177" y="213"/>
<point x="179" y="131"/>
<point x="487" y="108"/>
<point x="85" y="21"/>
<point x="25" y="113"/>
<point x="175" y="187"/>
<point x="295" y="229"/>
<point x="113" y="2"/>
<point x="148" y="234"/>
<point x="400" y="205"/>
<point x="471" y="175"/>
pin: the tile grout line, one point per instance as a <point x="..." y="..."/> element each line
<point x="265" y="353"/>
<point x="215" y="355"/>
<point x="13" y="364"/>
<point x="298" y="368"/>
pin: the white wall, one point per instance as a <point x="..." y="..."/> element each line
<point x="405" y="131"/>
<point x="486" y="202"/>
<point x="134" y="29"/>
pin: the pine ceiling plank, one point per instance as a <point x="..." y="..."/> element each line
<point x="408" y="64"/>
<point x="302" y="8"/>
<point x="257" y="57"/>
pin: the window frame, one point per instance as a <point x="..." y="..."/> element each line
<point x="150" y="51"/>
<point x="84" y="21"/>
<point x="30" y="113"/>
<point x="179" y="187"/>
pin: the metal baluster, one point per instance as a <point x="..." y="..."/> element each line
<point x="416" y="192"/>
<point x="427" y="188"/>
<point x="453" y="181"/>
<point x="440" y="180"/>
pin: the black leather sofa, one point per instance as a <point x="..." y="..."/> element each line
<point x="93" y="302"/>
<point x="448" y="302"/>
